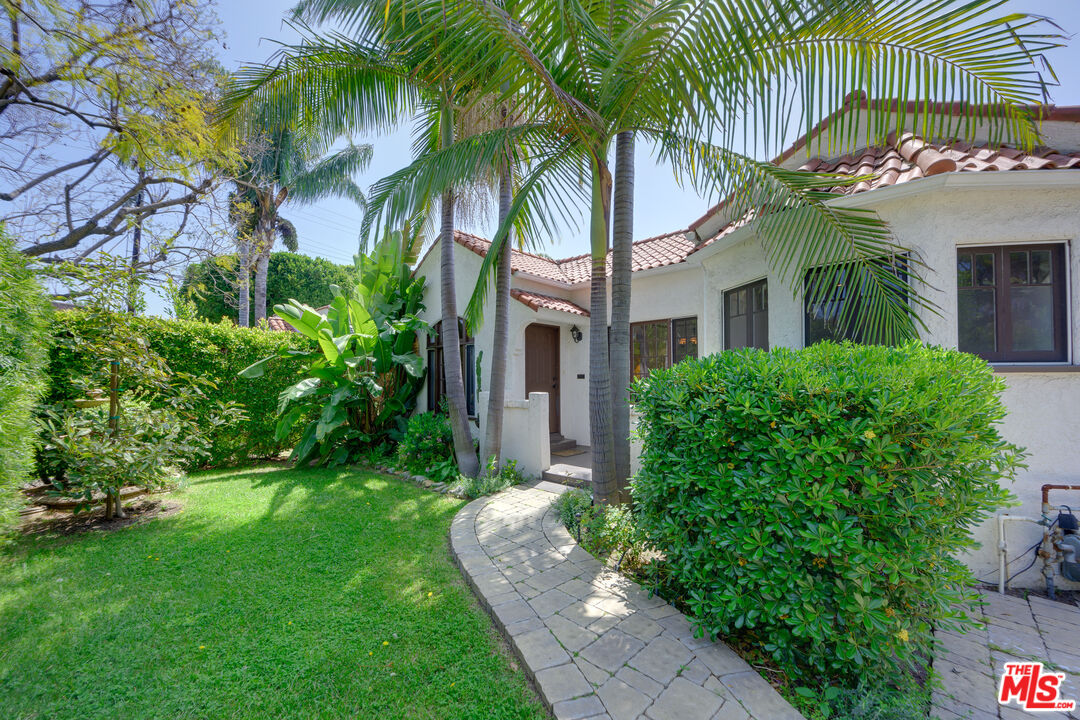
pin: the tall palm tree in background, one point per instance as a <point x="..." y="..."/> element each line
<point x="711" y="83"/>
<point x="371" y="77"/>
<point x="282" y="166"/>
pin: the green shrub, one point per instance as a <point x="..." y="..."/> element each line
<point x="570" y="507"/>
<point x="866" y="701"/>
<point x="214" y="352"/>
<point x="150" y="448"/>
<point x="494" y="479"/>
<point x="427" y="441"/>
<point x="602" y="530"/>
<point x="815" y="501"/>
<point x="361" y="379"/>
<point x="25" y="334"/>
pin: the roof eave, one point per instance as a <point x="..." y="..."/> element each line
<point x="1030" y="179"/>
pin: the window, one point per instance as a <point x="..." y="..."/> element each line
<point x="832" y="313"/>
<point x="1011" y="302"/>
<point x="746" y="317"/>
<point x="436" y="375"/>
<point x="661" y="343"/>
<point x="683" y="339"/>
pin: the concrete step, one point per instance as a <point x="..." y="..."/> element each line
<point x="561" y="444"/>
<point x="568" y="475"/>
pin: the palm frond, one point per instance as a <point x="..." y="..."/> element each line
<point x="287" y="232"/>
<point x="801" y="227"/>
<point x="326" y="87"/>
<point x="332" y="177"/>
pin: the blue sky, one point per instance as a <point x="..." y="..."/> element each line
<point x="329" y="228"/>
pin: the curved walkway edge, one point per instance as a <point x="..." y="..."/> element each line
<point x="594" y="643"/>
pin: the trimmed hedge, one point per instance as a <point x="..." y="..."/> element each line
<point x="212" y="351"/>
<point x="25" y="334"/>
<point x="813" y="502"/>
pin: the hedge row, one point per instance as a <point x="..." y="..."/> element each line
<point x="211" y="351"/>
<point x="816" y="500"/>
<point x="25" y="334"/>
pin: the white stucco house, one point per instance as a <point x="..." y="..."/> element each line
<point x="998" y="229"/>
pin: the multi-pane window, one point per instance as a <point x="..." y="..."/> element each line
<point x="683" y="339"/>
<point x="1011" y="302"/>
<point x="836" y="312"/>
<point x="746" y="316"/>
<point x="661" y="343"/>
<point x="436" y="373"/>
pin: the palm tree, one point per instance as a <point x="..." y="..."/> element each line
<point x="709" y="82"/>
<point x="622" y="242"/>
<point x="283" y="167"/>
<point x="500" y="343"/>
<point x="370" y="80"/>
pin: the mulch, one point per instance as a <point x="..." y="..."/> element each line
<point x="65" y="523"/>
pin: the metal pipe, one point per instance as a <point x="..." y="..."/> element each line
<point x="1049" y="549"/>
<point x="1047" y="488"/>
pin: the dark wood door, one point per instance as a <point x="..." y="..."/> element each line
<point x="542" y="367"/>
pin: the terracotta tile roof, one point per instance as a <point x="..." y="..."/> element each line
<point x="860" y="101"/>
<point x="913" y="158"/>
<point x="535" y="301"/>
<point x="519" y="261"/>
<point x="654" y="252"/>
<point x="277" y="324"/>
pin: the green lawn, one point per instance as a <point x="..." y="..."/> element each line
<point x="275" y="593"/>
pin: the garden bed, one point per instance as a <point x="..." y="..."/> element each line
<point x="53" y="522"/>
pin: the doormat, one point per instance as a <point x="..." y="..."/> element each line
<point x="569" y="453"/>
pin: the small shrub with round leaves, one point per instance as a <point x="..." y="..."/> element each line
<point x="814" y="502"/>
<point x="427" y="442"/>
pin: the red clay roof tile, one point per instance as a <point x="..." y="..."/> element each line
<point x="913" y="158"/>
<point x="277" y="324"/>
<point x="647" y="254"/>
<point x="535" y="301"/>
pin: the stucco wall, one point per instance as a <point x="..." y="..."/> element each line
<point x="573" y="360"/>
<point x="524" y="435"/>
<point x="1044" y="408"/>
<point x="657" y="294"/>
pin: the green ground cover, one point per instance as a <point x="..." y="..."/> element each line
<point x="274" y="593"/>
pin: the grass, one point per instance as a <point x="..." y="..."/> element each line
<point x="275" y="593"/>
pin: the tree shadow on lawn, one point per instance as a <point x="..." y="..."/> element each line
<point x="320" y="486"/>
<point x="276" y="593"/>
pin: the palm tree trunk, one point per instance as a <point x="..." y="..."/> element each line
<point x="262" y="269"/>
<point x="601" y="437"/>
<point x="455" y="382"/>
<point x="243" y="279"/>
<point x="622" y="242"/>
<point x="501" y="340"/>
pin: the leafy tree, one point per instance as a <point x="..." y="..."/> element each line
<point x="363" y="378"/>
<point x="92" y="452"/>
<point x="121" y="86"/>
<point x="210" y="285"/>
<point x="25" y="336"/>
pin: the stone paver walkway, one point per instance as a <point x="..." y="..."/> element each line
<point x="595" y="644"/>
<point x="1015" y="630"/>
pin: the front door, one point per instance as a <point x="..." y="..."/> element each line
<point x="542" y="367"/>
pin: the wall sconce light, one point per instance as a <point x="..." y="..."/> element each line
<point x="575" y="334"/>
